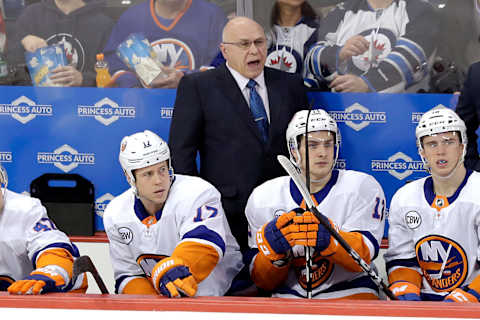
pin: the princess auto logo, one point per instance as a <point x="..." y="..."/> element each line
<point x="399" y="165"/>
<point x="106" y="111"/>
<point x="358" y="117"/>
<point x="166" y="112"/>
<point x="65" y="158"/>
<point x="415" y="116"/>
<point x="5" y="156"/>
<point x="102" y="202"/>
<point x="24" y="109"/>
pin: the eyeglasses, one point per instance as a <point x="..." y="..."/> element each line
<point x="246" y="44"/>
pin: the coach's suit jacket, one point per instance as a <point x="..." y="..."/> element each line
<point x="211" y="116"/>
<point x="468" y="108"/>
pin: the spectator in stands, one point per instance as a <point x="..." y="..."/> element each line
<point x="77" y="24"/>
<point x="294" y="26"/>
<point x="375" y="45"/>
<point x="353" y="202"/>
<point x="35" y="257"/>
<point x="468" y="108"/>
<point x="434" y="221"/>
<point x="185" y="35"/>
<point x="235" y="116"/>
<point x="460" y="44"/>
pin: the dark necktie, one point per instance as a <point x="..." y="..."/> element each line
<point x="258" y="110"/>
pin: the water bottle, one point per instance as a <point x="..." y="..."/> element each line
<point x="103" y="76"/>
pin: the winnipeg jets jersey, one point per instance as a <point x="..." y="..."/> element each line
<point x="288" y="45"/>
<point x="402" y="43"/>
<point x="192" y="212"/>
<point x="354" y="201"/>
<point x="435" y="235"/>
<point x="25" y="232"/>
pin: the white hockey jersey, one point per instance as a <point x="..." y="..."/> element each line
<point x="354" y="201"/>
<point x="192" y="212"/>
<point x="25" y="232"/>
<point x="437" y="236"/>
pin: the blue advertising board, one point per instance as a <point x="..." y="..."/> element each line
<point x="78" y="130"/>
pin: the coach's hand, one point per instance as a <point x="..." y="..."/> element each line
<point x="172" y="278"/>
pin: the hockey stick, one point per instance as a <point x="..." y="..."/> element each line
<point x="297" y="179"/>
<point x="308" y="252"/>
<point x="84" y="264"/>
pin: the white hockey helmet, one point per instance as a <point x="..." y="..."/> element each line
<point x="437" y="120"/>
<point x="318" y="120"/>
<point x="141" y="150"/>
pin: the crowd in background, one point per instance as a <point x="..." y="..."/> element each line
<point x="409" y="46"/>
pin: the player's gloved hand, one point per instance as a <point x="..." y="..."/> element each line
<point x="41" y="280"/>
<point x="275" y="239"/>
<point x="310" y="232"/>
<point x="172" y="278"/>
<point x="462" y="295"/>
<point x="405" y="290"/>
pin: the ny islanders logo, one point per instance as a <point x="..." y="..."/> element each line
<point x="321" y="268"/>
<point x="174" y="53"/>
<point x="443" y="262"/>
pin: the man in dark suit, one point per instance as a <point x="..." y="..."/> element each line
<point x="213" y="116"/>
<point x="468" y="108"/>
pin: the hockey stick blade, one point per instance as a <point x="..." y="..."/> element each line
<point x="300" y="183"/>
<point x="84" y="264"/>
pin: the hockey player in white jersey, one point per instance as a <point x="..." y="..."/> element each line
<point x="168" y="233"/>
<point x="352" y="201"/>
<point x="434" y="240"/>
<point x="35" y="257"/>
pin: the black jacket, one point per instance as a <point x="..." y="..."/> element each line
<point x="84" y="33"/>
<point x="212" y="117"/>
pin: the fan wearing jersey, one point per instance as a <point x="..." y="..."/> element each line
<point x="294" y="26"/>
<point x="168" y="233"/>
<point x="280" y="228"/>
<point x="77" y="25"/>
<point x="375" y="45"/>
<point x="185" y="35"/>
<point x="434" y="239"/>
<point x="35" y="257"/>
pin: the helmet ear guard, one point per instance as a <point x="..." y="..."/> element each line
<point x="141" y="150"/>
<point x="318" y="120"/>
